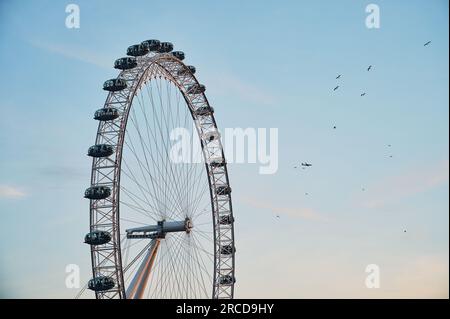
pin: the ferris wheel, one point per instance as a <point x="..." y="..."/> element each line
<point x="161" y="219"/>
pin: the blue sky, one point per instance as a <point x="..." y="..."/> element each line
<point x="265" y="64"/>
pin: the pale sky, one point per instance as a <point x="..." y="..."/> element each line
<point x="266" y="64"/>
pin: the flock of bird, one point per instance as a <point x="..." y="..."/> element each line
<point x="305" y="165"/>
<point x="368" y="69"/>
<point x="340" y="75"/>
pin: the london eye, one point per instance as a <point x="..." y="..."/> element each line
<point x="161" y="217"/>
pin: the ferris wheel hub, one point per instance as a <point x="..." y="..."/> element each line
<point x="160" y="229"/>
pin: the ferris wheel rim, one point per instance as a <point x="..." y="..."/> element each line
<point x="162" y="62"/>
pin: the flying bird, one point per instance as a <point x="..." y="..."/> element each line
<point x="338" y="77"/>
<point x="334" y="127"/>
<point x="427" y="43"/>
<point x="369" y="68"/>
<point x="362" y="94"/>
<point x="306" y="164"/>
<point x="337" y="87"/>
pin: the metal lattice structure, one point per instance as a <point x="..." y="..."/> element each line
<point x="164" y="200"/>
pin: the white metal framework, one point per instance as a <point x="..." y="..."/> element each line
<point x="170" y="225"/>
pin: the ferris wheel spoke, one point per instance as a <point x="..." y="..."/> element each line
<point x="188" y="267"/>
<point x="197" y="195"/>
<point x="177" y="168"/>
<point x="192" y="283"/>
<point x="174" y="122"/>
<point x="175" y="273"/>
<point x="207" y="233"/>
<point x="182" y="166"/>
<point x="196" y="244"/>
<point x="136" y="208"/>
<point x="140" y="167"/>
<point x="166" y="158"/>
<point x="195" y="172"/>
<point x="192" y="276"/>
<point x="201" y="212"/>
<point x="161" y="280"/>
<point x="187" y="282"/>
<point x="138" y="201"/>
<point x="155" y="201"/>
<point x="204" y="236"/>
<point x="135" y="258"/>
<point x="155" y="138"/>
<point x="164" y="278"/>
<point x="209" y="223"/>
<point x="193" y="190"/>
<point x="158" y="266"/>
<point x="161" y="135"/>
<point x="182" y="261"/>
<point x="187" y="170"/>
<point x="184" y="265"/>
<point x="165" y="133"/>
<point x="130" y="243"/>
<point x="164" y="145"/>
<point x="130" y="269"/>
<point x="181" y="272"/>
<point x="137" y="286"/>
<point x="180" y="256"/>
<point x="197" y="200"/>
<point x="201" y="267"/>
<point x="144" y="151"/>
<point x="150" y="135"/>
<point x="133" y="120"/>
<point x="126" y="251"/>
<point x="147" y="149"/>
<point x="133" y="221"/>
<point x="173" y="190"/>
<point x="196" y="268"/>
<point x="143" y="191"/>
